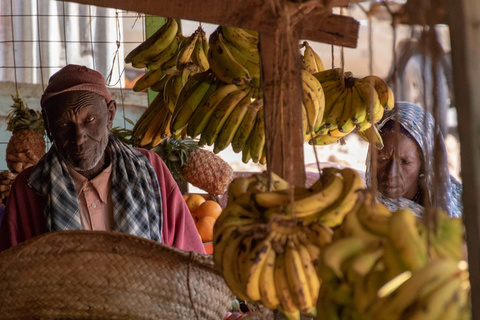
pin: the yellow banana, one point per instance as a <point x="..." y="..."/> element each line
<point x="169" y="94"/>
<point x="447" y="239"/>
<point x="187" y="48"/>
<point x="254" y="264"/>
<point x="148" y="79"/>
<point x="281" y="285"/>
<point x="296" y="278"/>
<point x="385" y="93"/>
<point x="406" y="239"/>
<point x="202" y="114"/>
<point x="422" y="282"/>
<point x="334" y="74"/>
<point x="345" y="122"/>
<point x="311" y="59"/>
<point x="351" y="227"/>
<point x="258" y="137"/>
<point x="199" y="56"/>
<point x="373" y="215"/>
<point x="372" y="135"/>
<point x="241" y="38"/>
<point x="334" y="214"/>
<point x="359" y="112"/>
<point x="190" y="97"/>
<point x="323" y="140"/>
<point x="318" y="234"/>
<point x="369" y="96"/>
<point x="311" y="276"/>
<point x="362" y="264"/>
<point x="232" y="123"/>
<point x="320" y="199"/>
<point x="223" y="64"/>
<point x="314" y="100"/>
<point x="153" y="126"/>
<point x="268" y="293"/>
<point x="332" y="115"/>
<point x="140" y="126"/>
<point x="158" y="61"/>
<point x="244" y="58"/>
<point x="246" y="126"/>
<point x="220" y="115"/>
<point x="155" y="44"/>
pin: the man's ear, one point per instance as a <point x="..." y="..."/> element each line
<point x="111" y="110"/>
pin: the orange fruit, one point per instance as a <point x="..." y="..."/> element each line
<point x="205" y="228"/>
<point x="185" y="197"/>
<point x="209" y="208"/>
<point x="194" y="201"/>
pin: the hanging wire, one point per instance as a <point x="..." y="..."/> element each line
<point x="13" y="46"/>
<point x="40" y="47"/>
<point x="91" y="36"/>
<point x="65" y="32"/>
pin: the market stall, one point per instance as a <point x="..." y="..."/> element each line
<point x="257" y="208"/>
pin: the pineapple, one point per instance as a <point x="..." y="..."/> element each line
<point x="27" y="144"/>
<point x="202" y="168"/>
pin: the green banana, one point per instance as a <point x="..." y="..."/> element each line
<point x="241" y="38"/>
<point x="158" y="61"/>
<point x="220" y="115"/>
<point x="147" y="80"/>
<point x="199" y="56"/>
<point x="154" y="45"/>
<point x="258" y="137"/>
<point x="232" y="123"/>
<point x="201" y="116"/>
<point x="244" y="60"/>
<point x="186" y="50"/>
<point x="246" y="126"/>
<point x="190" y="97"/>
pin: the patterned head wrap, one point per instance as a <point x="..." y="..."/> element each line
<point x="445" y="190"/>
<point x="75" y="78"/>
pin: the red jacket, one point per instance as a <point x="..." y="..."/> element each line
<point x="24" y="216"/>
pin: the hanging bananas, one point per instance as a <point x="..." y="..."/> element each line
<point x="351" y="104"/>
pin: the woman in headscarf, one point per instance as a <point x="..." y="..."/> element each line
<point x="412" y="168"/>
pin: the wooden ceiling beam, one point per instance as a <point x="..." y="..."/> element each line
<point x="322" y="27"/>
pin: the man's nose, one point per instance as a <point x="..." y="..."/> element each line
<point x="80" y="134"/>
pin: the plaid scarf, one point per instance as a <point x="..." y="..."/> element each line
<point x="137" y="203"/>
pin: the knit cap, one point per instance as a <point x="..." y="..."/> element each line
<point x="75" y="78"/>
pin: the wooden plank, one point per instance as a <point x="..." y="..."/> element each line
<point x="464" y="21"/>
<point x="281" y="82"/>
<point x="248" y="14"/>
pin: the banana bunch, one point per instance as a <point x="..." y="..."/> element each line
<point x="159" y="51"/>
<point x="194" y="50"/>
<point x="311" y="60"/>
<point x="351" y="104"/>
<point x="268" y="259"/>
<point x="233" y="55"/>
<point x="313" y="104"/>
<point x="385" y="265"/>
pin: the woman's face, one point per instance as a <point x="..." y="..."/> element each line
<point x="398" y="166"/>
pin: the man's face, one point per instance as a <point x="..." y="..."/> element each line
<point x="398" y="166"/>
<point x="79" y="122"/>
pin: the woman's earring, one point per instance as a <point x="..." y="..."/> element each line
<point x="421" y="176"/>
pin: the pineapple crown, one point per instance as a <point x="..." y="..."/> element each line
<point x="24" y="118"/>
<point x="174" y="153"/>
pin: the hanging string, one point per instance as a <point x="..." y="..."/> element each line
<point x="40" y="48"/>
<point x="13" y="47"/>
<point x="91" y="36"/>
<point x="65" y="32"/>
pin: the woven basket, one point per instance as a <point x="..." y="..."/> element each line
<point x="106" y="275"/>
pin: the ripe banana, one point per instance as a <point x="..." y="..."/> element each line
<point x="158" y="61"/>
<point x="345" y="122"/>
<point x="372" y="135"/>
<point x="255" y="261"/>
<point x="241" y="38"/>
<point x="154" y="45"/>
<point x="223" y="63"/>
<point x="218" y="118"/>
<point x="147" y="80"/>
<point x="405" y="238"/>
<point x="258" y="137"/>
<point x="385" y="93"/>
<point x="190" y="97"/>
<point x="370" y="98"/>
<point x="232" y="123"/>
<point x="187" y="47"/>
<point x="202" y="114"/>
<point x="359" y="113"/>
<point x="314" y="101"/>
<point x="281" y="285"/>
<point x="245" y="59"/>
<point x="200" y="51"/>
<point x="311" y="276"/>
<point x="373" y="215"/>
<point x="267" y="288"/>
<point x="243" y="132"/>
<point x="311" y="59"/>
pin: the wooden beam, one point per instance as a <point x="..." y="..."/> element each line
<point x="249" y="14"/>
<point x="464" y="23"/>
<point x="281" y="82"/>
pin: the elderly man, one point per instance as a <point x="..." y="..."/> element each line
<point x="89" y="180"/>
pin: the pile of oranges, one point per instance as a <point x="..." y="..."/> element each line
<point x="204" y="213"/>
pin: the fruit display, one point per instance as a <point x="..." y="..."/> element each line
<point x="202" y="168"/>
<point x="204" y="213"/>
<point x="268" y="240"/>
<point x="389" y="265"/>
<point x="351" y="104"/>
<point x="26" y="145"/>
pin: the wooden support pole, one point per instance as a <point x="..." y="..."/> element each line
<point x="464" y="22"/>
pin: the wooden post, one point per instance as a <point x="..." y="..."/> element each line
<point x="464" y="22"/>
